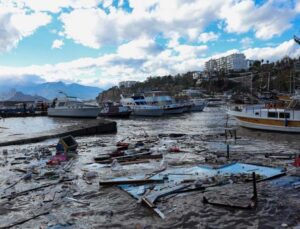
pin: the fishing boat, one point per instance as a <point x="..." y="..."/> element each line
<point x="69" y="106"/>
<point x="140" y="107"/>
<point x="111" y="110"/>
<point x="282" y="116"/>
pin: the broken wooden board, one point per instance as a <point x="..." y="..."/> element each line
<point x="129" y="181"/>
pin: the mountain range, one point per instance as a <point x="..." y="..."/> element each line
<point x="48" y="90"/>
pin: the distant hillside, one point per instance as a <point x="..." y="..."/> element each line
<point x="19" y="96"/>
<point x="170" y="84"/>
<point x="51" y="90"/>
<point x="261" y="77"/>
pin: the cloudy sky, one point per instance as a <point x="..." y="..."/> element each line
<point x="102" y="42"/>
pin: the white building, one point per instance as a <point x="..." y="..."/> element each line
<point x="233" y="62"/>
<point x="211" y="65"/>
<point x="127" y="84"/>
<point x="236" y="62"/>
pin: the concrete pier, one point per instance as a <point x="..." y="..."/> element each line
<point x="88" y="127"/>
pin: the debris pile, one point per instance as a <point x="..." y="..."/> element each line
<point x="72" y="181"/>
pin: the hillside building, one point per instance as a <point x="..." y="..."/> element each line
<point x="233" y="62"/>
<point x="127" y="84"/>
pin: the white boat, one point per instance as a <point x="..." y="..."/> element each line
<point x="283" y="117"/>
<point x="140" y="107"/>
<point x="72" y="107"/>
<point x="165" y="102"/>
<point x="197" y="105"/>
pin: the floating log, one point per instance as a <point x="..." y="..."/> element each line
<point x="128" y="158"/>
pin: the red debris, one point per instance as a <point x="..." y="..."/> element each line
<point x="117" y="153"/>
<point x="297" y="162"/>
<point x="174" y="149"/>
<point x="57" y="159"/>
<point x="122" y="145"/>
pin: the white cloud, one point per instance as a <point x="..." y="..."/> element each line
<point x="178" y="18"/>
<point x="246" y="42"/>
<point x="206" y="37"/>
<point x="15" y="25"/>
<point x="92" y="27"/>
<point x="267" y="20"/>
<point x="28" y="23"/>
<point x="57" y="44"/>
<point x="111" y="68"/>
<point x="287" y="48"/>
<point x="53" y="6"/>
<point x="95" y="28"/>
<point x="231" y="40"/>
<point x="107" y="3"/>
<point x="140" y="48"/>
<point x="133" y="34"/>
<point x="297" y="7"/>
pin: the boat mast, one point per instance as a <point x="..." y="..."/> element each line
<point x="296" y="66"/>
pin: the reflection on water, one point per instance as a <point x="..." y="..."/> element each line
<point x="189" y="123"/>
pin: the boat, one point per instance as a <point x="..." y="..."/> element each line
<point x="139" y="106"/>
<point x="69" y="106"/>
<point x="166" y="102"/>
<point x="197" y="105"/>
<point x="282" y="116"/>
<point x="112" y="110"/>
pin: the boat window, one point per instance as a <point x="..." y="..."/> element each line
<point x="61" y="104"/>
<point x="273" y="114"/>
<point x="256" y="113"/>
<point x="284" y="115"/>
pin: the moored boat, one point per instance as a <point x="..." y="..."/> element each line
<point x="69" y="106"/>
<point x="282" y="117"/>
<point x="166" y="102"/>
<point x="140" y="107"/>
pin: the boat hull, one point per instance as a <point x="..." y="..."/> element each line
<point x="197" y="108"/>
<point x="74" y="113"/>
<point x="174" y="110"/>
<point x="148" y="112"/>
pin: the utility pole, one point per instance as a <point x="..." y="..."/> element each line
<point x="251" y="88"/>
<point x="291" y="82"/>
<point x="269" y="82"/>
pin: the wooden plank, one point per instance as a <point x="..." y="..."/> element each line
<point x="133" y="181"/>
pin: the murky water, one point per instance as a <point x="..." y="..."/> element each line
<point x="31" y="125"/>
<point x="112" y="208"/>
